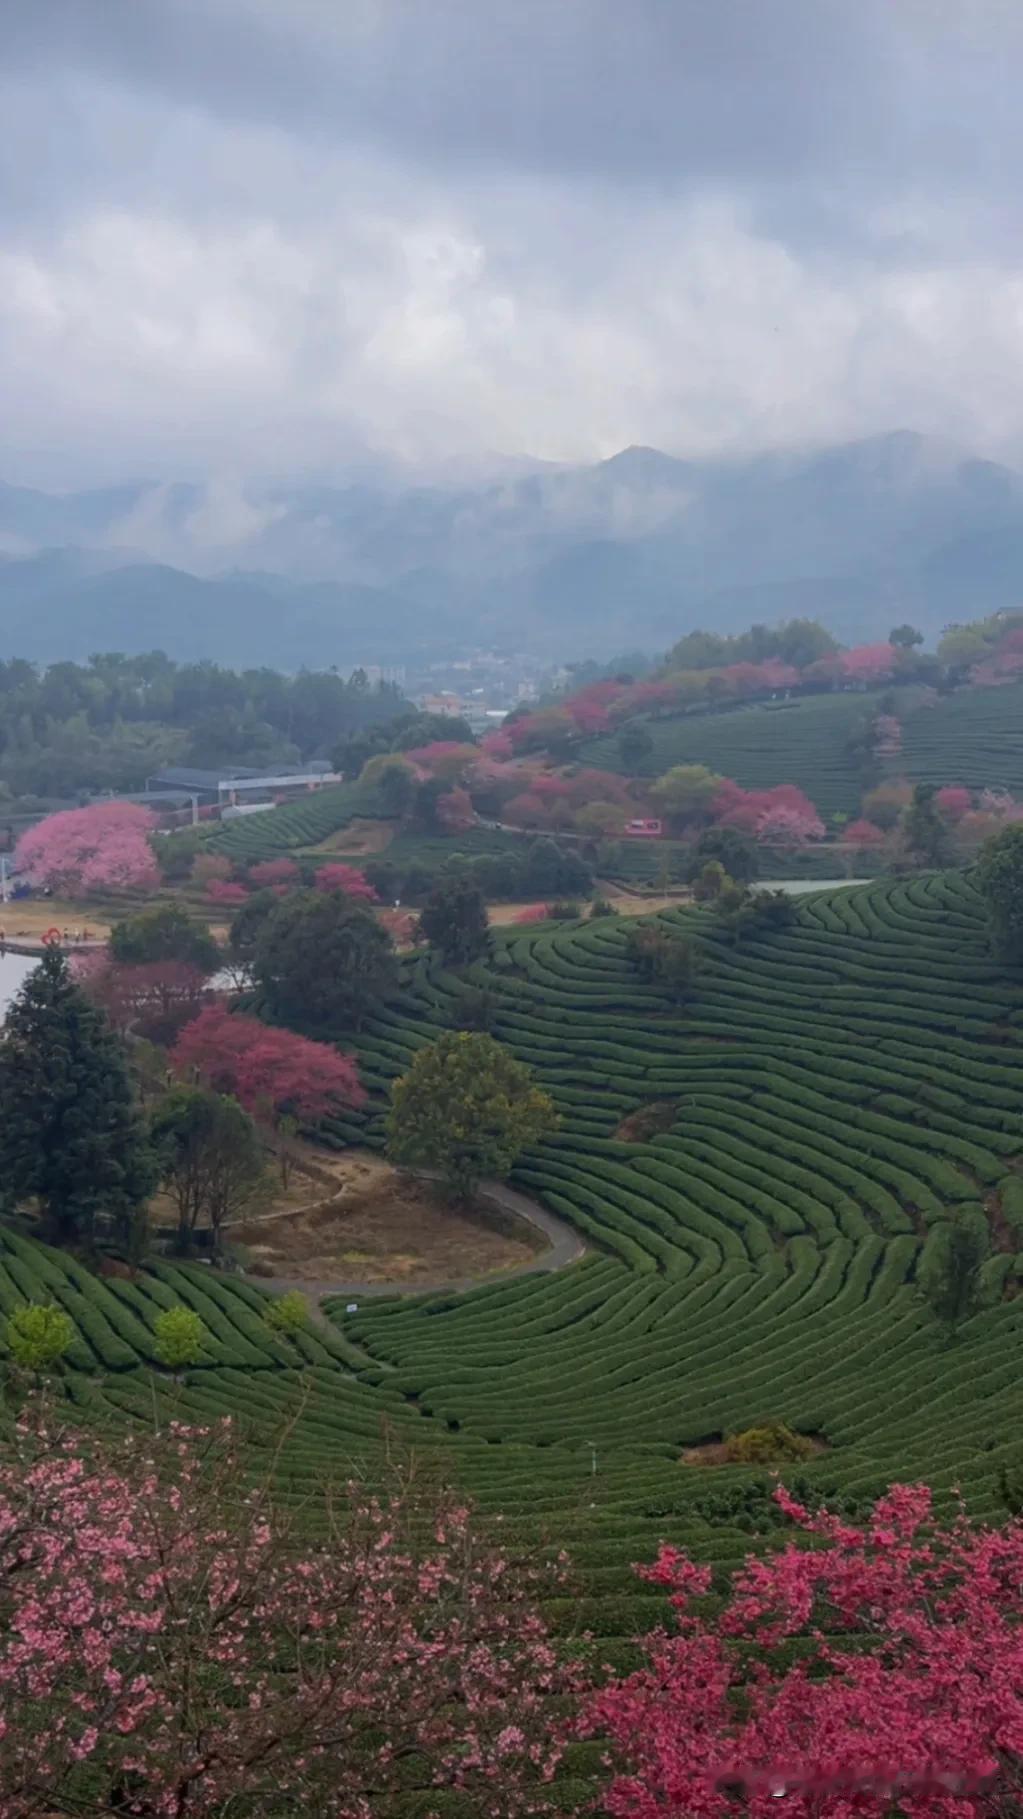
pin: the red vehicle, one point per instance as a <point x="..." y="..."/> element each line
<point x="644" y="829"/>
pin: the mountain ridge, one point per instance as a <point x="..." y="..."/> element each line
<point x="557" y="560"/>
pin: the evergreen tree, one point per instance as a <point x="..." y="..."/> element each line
<point x="454" y="920"/>
<point x="70" y="1133"/>
<point x="323" y="962"/>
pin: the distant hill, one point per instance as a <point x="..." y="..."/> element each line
<point x="560" y="561"/>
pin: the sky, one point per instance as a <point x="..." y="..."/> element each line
<point x="285" y="237"/>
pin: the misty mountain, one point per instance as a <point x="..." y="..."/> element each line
<point x="560" y="561"/>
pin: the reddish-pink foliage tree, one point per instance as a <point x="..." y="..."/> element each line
<point x="172" y="1645"/>
<point x="266" y="1068"/>
<point x="863" y="834"/>
<point x="527" y="810"/>
<point x="749" y="809"/>
<point x="785" y="825"/>
<point x="868" y="662"/>
<point x="887" y="736"/>
<point x="454" y="811"/>
<point x="954" y="801"/>
<point x="536" y="912"/>
<point x="497" y="745"/>
<point x="923" y="1718"/>
<point x="348" y="879"/>
<point x="274" y="871"/>
<point x="222" y="890"/>
<point x="131" y="994"/>
<point x="82" y="851"/>
<point x="209" y="866"/>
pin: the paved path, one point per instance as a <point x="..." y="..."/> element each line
<point x="565" y="1246"/>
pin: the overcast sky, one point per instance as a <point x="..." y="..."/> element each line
<point x="264" y="235"/>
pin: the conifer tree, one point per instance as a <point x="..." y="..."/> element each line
<point x="70" y="1133"/>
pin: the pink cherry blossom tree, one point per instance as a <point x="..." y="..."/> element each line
<point x="171" y="1646"/>
<point x="922" y="1716"/>
<point x="347" y="879"/>
<point x="83" y="852"/>
<point x="272" y="1072"/>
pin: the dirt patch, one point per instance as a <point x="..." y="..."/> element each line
<point x="649" y="1121"/>
<point x="29" y="918"/>
<point x="359" y="836"/>
<point x="379" y="1225"/>
<point x="714" y="1452"/>
<point x="621" y="904"/>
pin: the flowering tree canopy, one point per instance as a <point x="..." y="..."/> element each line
<point x="171" y="1647"/>
<point x="82" y="851"/>
<point x="782" y="826"/>
<point x="274" y="871"/>
<point x="347" y="879"/>
<point x="264" y="1067"/>
<point x="863" y="833"/>
<point x="226" y="890"/>
<point x="925" y="1717"/>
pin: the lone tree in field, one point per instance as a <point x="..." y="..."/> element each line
<point x="323" y="962"/>
<point x="211" y="1160"/>
<point x="454" y="919"/>
<point x="467" y="1108"/>
<point x="949" y="1274"/>
<point x="70" y="1132"/>
<point x="999" y="877"/>
<point x="666" y="959"/>
<point x="926" y="833"/>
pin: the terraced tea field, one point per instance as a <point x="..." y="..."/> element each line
<point x="973" y="736"/>
<point x="303" y="822"/>
<point x="802" y="742"/>
<point x="835" y="1091"/>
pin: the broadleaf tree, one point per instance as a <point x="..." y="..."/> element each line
<point x="466" y="1108"/>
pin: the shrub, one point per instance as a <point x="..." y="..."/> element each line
<point x="38" y="1335"/>
<point x="180" y="1335"/>
<point x="767" y="1442"/>
<point x="288" y="1313"/>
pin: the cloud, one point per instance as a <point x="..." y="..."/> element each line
<point x="250" y="236"/>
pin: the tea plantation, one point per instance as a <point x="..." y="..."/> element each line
<point x="972" y="736"/>
<point x="831" y="1096"/>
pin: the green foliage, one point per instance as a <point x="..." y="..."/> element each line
<point x="37" y="1336"/>
<point x="468" y="1108"/>
<point x="668" y="960"/>
<point x="730" y="847"/>
<point x="164" y="932"/>
<point x="454" y="919"/>
<point x="768" y="1442"/>
<point x="999" y="876"/>
<point x="288" y="1313"/>
<point x="950" y="1270"/>
<point x="601" y="907"/>
<point x="686" y="791"/>
<point x="797" y="641"/>
<point x="322" y="962"/>
<point x="710" y="881"/>
<point x="247" y="925"/>
<point x="210" y="1157"/>
<point x="741" y="912"/>
<point x="905" y="637"/>
<point x="70" y="1133"/>
<point x="926" y="833"/>
<point x="180" y="1337"/>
